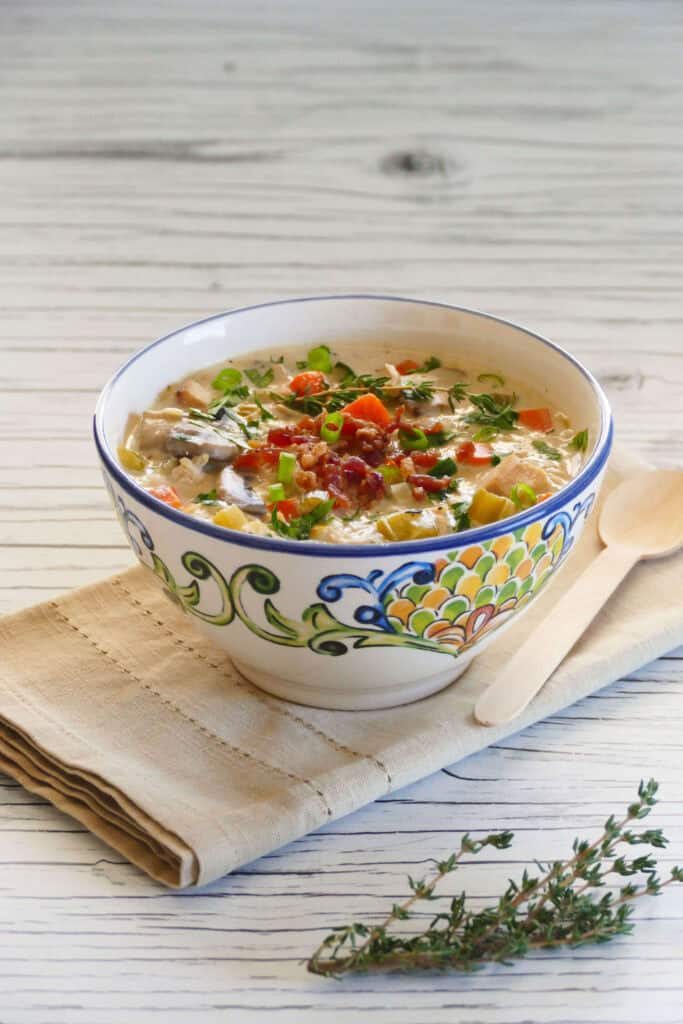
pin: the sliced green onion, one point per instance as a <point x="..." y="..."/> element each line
<point x="319" y="359"/>
<point x="227" y="379"/>
<point x="332" y="427"/>
<point x="276" y="492"/>
<point x="485" y="434"/>
<point x="444" y="467"/>
<point x="523" y="496"/>
<point x="391" y="474"/>
<point x="495" y="377"/>
<point x="412" y="439"/>
<point x="285" y="468"/>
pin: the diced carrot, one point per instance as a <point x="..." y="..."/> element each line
<point x="536" y="419"/>
<point x="310" y="382"/>
<point x="407" y="365"/>
<point x="166" y="494"/>
<point x="474" y="454"/>
<point x="543" y="497"/>
<point x="369" y="407"/>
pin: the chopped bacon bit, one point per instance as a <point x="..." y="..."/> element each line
<point x="433" y="484"/>
<point x="308" y="425"/>
<point x="310" y="382"/>
<point x="257" y="458"/>
<point x="284" y="437"/>
<point x="354" y="469"/>
<point x="474" y="454"/>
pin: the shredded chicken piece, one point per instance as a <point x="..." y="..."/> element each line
<point x="513" y="470"/>
<point x="192" y="393"/>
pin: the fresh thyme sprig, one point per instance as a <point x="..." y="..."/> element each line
<point x="553" y="910"/>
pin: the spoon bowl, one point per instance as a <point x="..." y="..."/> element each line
<point x="641" y="518"/>
<point x="654" y="530"/>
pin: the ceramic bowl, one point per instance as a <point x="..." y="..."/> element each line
<point x="354" y="626"/>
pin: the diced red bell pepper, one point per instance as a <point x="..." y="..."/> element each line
<point x="425" y="460"/>
<point x="287" y="508"/>
<point x="167" y="494"/>
<point x="536" y="419"/>
<point x="474" y="453"/>
<point x="406" y="366"/>
<point x="310" y="382"/>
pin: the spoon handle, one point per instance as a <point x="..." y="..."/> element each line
<point x="538" y="657"/>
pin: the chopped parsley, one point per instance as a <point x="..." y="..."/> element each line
<point x="260" y="378"/>
<point x="300" y="527"/>
<point x="545" y="449"/>
<point x="210" y="498"/>
<point x="579" y="442"/>
<point x="444" y="467"/>
<point x="459" y="516"/>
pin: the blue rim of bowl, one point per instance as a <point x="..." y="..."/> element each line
<point x="319" y="549"/>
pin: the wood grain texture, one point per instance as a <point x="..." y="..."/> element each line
<point x="161" y="162"/>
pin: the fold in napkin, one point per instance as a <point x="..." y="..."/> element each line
<point x="116" y="711"/>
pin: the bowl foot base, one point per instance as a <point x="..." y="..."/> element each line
<point x="352" y="698"/>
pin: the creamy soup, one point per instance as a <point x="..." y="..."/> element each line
<point x="350" y="446"/>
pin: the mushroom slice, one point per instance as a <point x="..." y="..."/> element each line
<point x="233" y="488"/>
<point x="190" y="438"/>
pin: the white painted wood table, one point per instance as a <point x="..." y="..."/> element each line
<point x="162" y="161"/>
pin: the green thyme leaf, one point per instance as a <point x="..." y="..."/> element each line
<point x="492" y="411"/>
<point x="431" y="363"/>
<point x="565" y="903"/>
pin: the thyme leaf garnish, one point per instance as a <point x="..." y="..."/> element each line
<point x="566" y="905"/>
<point x="492" y="411"/>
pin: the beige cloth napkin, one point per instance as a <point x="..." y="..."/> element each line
<point x="116" y="711"/>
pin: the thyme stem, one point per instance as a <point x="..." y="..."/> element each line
<point x="548" y="912"/>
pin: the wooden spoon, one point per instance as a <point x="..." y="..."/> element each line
<point x="641" y="518"/>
